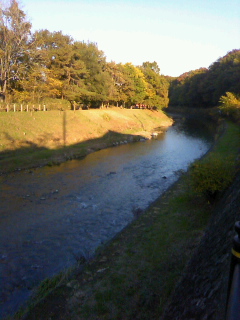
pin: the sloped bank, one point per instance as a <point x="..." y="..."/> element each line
<point x="202" y="291"/>
<point x="46" y="138"/>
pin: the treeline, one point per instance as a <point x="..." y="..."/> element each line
<point x="42" y="66"/>
<point x="204" y="87"/>
<point x="51" y="68"/>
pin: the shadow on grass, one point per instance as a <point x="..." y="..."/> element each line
<point x="27" y="154"/>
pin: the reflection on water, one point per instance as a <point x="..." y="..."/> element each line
<point x="50" y="216"/>
<point x="193" y="127"/>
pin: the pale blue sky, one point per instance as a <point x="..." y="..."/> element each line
<point x="181" y="35"/>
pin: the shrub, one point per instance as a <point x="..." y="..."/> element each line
<point x="210" y="177"/>
<point x="230" y="105"/>
<point x="57" y="104"/>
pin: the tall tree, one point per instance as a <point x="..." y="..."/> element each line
<point x="137" y="89"/>
<point x="14" y="40"/>
<point x="157" y="85"/>
<point x="97" y="79"/>
<point x="122" y="86"/>
<point x="62" y="70"/>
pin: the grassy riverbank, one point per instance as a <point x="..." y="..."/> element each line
<point x="134" y="275"/>
<point x="31" y="139"/>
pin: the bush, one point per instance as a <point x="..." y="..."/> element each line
<point x="230" y="105"/>
<point x="210" y="177"/>
<point x="57" y="104"/>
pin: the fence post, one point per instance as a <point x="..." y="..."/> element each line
<point x="14" y="107"/>
<point x="44" y="107"/>
<point x="7" y="108"/>
<point x="21" y="108"/>
<point x="27" y="107"/>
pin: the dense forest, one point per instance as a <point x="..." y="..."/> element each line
<point x="50" y="67"/>
<point x="204" y="87"/>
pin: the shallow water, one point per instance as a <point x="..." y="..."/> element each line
<point x="51" y="216"/>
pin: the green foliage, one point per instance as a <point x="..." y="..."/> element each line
<point x="157" y="93"/>
<point x="57" y="104"/>
<point x="184" y="91"/>
<point x="50" y="65"/>
<point x="210" y="177"/>
<point x="204" y="87"/>
<point x="230" y="105"/>
<point x="44" y="64"/>
<point x="14" y="42"/>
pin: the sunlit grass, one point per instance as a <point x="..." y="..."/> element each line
<point x="31" y="139"/>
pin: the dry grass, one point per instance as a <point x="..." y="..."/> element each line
<point x="32" y="139"/>
<point x="47" y="129"/>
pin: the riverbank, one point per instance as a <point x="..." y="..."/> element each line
<point x="134" y="275"/>
<point x="34" y="139"/>
<point x="203" y="286"/>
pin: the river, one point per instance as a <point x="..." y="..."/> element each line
<point x="51" y="216"/>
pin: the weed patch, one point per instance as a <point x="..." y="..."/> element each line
<point x="212" y="175"/>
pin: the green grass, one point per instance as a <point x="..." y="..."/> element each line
<point x="230" y="142"/>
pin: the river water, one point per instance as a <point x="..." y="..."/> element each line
<point x="51" y="216"/>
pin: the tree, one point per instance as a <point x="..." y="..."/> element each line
<point x="204" y="87"/>
<point x="62" y="69"/>
<point x="157" y="85"/>
<point x="230" y="105"/>
<point x="152" y="66"/>
<point x="122" y="84"/>
<point x="97" y="80"/>
<point x="14" y="41"/>
<point x="226" y="74"/>
<point x="137" y="86"/>
<point x="115" y="82"/>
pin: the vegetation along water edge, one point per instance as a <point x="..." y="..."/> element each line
<point x="134" y="275"/>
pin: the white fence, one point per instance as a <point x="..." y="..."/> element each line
<point x="22" y="108"/>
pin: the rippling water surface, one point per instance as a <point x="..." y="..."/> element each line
<point x="50" y="216"/>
